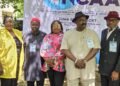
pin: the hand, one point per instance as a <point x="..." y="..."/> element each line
<point x="115" y="75"/>
<point x="80" y="64"/>
<point x="50" y="62"/>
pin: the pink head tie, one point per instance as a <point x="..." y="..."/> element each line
<point x="35" y="19"/>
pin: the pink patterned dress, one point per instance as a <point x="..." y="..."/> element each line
<point x="50" y="49"/>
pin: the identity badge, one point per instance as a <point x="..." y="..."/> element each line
<point x="90" y="43"/>
<point x="113" y="46"/>
<point x="32" y="47"/>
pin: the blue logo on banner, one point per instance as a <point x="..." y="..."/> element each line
<point x="60" y="4"/>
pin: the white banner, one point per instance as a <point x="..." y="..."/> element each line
<point x="64" y="10"/>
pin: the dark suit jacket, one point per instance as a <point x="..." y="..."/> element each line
<point x="109" y="61"/>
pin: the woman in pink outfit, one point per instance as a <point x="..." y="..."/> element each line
<point x="51" y="53"/>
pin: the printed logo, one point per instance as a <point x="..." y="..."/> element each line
<point x="59" y="4"/>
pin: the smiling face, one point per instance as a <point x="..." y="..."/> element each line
<point x="81" y="23"/>
<point x="56" y="27"/>
<point x="8" y="22"/>
<point x="112" y="22"/>
<point x="35" y="26"/>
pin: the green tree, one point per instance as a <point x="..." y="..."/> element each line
<point x="18" y="5"/>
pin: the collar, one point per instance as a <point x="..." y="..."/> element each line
<point x="113" y="29"/>
<point x="35" y="34"/>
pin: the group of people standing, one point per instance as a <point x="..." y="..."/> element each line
<point x="58" y="54"/>
<point x="35" y="53"/>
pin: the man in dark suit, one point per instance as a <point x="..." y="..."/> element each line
<point x="110" y="51"/>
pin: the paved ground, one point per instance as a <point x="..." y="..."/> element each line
<point x="23" y="83"/>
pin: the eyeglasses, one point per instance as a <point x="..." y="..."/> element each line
<point x="112" y="20"/>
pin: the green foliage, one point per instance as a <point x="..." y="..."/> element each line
<point x="18" y="5"/>
<point x="18" y="24"/>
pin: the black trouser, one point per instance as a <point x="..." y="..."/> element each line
<point x="8" y="82"/>
<point x="106" y="81"/>
<point x="56" y="78"/>
<point x="38" y="83"/>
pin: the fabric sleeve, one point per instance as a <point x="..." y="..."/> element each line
<point x="59" y="55"/>
<point x="64" y="44"/>
<point x="44" y="47"/>
<point x="2" y="48"/>
<point x="96" y="40"/>
<point x="117" y="67"/>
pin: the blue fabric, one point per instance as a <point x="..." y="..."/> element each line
<point x="97" y="57"/>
